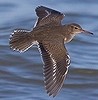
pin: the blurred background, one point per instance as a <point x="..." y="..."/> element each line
<point x="21" y="74"/>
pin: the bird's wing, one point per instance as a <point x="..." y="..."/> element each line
<point x="48" y="16"/>
<point x="56" y="62"/>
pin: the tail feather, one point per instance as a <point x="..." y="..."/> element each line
<point x="20" y="40"/>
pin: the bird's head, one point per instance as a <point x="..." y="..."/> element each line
<point x="75" y="29"/>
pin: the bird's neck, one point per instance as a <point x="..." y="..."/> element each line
<point x="67" y="32"/>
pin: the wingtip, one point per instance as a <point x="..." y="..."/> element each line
<point x="51" y="94"/>
<point x="38" y="7"/>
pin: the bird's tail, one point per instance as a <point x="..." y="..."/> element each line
<point x="20" y="40"/>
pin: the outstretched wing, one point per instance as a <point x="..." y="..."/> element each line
<point x="47" y="16"/>
<point x="56" y="61"/>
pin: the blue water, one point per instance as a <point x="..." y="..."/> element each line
<point x="21" y="74"/>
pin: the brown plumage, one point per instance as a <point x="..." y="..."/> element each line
<point x="50" y="35"/>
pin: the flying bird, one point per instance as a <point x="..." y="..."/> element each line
<point x="49" y="35"/>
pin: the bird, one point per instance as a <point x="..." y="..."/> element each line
<point x="50" y="36"/>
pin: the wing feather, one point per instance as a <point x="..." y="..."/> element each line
<point x="48" y="16"/>
<point x="56" y="62"/>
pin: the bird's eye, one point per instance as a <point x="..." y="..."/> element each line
<point x="76" y="28"/>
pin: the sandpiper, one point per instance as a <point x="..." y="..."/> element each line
<point x="49" y="35"/>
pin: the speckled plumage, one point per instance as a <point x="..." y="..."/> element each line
<point x="50" y="35"/>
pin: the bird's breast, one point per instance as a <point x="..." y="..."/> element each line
<point x="68" y="38"/>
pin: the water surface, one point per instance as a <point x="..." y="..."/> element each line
<point x="21" y="74"/>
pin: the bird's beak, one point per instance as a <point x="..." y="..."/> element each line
<point x="84" y="31"/>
